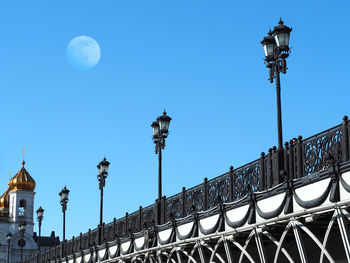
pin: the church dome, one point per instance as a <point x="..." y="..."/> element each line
<point x="4" y="199"/>
<point x="22" y="181"/>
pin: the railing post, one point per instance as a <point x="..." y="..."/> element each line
<point x="277" y="165"/>
<point x="299" y="157"/>
<point x="80" y="241"/>
<point x="89" y="238"/>
<point x="126" y="223"/>
<point x="291" y="160"/>
<point x="64" y="248"/>
<point x="262" y="178"/>
<point x="183" y="201"/>
<point x="231" y="182"/>
<point x="205" y="193"/>
<point x="114" y="227"/>
<point x="269" y="169"/>
<point x="140" y="218"/>
<point x="345" y="141"/>
<point x="163" y="207"/>
<point x="286" y="162"/>
<point x="157" y="213"/>
<point x="72" y="249"/>
<point x="103" y="233"/>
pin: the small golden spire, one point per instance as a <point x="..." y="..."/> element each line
<point x="23" y="162"/>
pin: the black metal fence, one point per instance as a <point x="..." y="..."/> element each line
<point x="297" y="159"/>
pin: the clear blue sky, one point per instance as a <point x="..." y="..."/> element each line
<point x="201" y="60"/>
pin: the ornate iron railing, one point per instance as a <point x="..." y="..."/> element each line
<point x="297" y="159"/>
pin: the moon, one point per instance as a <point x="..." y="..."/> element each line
<point x="83" y="53"/>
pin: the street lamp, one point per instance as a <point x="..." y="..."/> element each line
<point x="40" y="216"/>
<point x="160" y="132"/>
<point x="22" y="229"/>
<point x="102" y="168"/>
<point x="8" y="237"/>
<point x="276" y="48"/>
<point x="64" y="200"/>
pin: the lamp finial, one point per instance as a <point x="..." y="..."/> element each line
<point x="281" y="21"/>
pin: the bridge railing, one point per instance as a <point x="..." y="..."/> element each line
<point x="298" y="158"/>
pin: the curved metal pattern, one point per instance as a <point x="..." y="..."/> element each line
<point x="251" y="235"/>
<point x="246" y="179"/>
<point x="328" y="231"/>
<point x="284" y="251"/>
<point x="315" y="239"/>
<point x="194" y="199"/>
<point x="243" y="250"/>
<point x="317" y="147"/>
<point x="173" y="207"/>
<point x="279" y="247"/>
<point x="218" y="190"/>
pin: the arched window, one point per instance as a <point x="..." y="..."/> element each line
<point x="22" y="208"/>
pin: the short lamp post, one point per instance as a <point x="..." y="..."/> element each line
<point x="160" y="133"/>
<point x="64" y="200"/>
<point x="22" y="229"/>
<point x="102" y="168"/>
<point x="40" y="216"/>
<point x="276" y="48"/>
<point x="9" y="238"/>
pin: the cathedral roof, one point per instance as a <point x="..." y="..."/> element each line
<point x="4" y="199"/>
<point x="22" y="181"/>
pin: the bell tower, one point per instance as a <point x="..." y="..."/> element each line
<point x="21" y="199"/>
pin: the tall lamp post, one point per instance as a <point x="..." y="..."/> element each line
<point x="102" y="175"/>
<point x="40" y="216"/>
<point x="276" y="48"/>
<point x="160" y="133"/>
<point x="22" y="229"/>
<point x="64" y="200"/>
<point x="8" y="237"/>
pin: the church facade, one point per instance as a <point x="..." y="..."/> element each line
<point x="16" y="208"/>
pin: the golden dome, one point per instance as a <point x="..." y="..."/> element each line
<point x="4" y="199"/>
<point x="22" y="180"/>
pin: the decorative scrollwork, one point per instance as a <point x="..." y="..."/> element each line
<point x="108" y="232"/>
<point x="194" y="199"/>
<point x="69" y="247"/>
<point x="173" y="207"/>
<point x="134" y="222"/>
<point x="246" y="179"/>
<point x="120" y="228"/>
<point x="85" y="241"/>
<point x="218" y="190"/>
<point x="148" y="215"/>
<point x="318" y="148"/>
<point x="94" y="237"/>
<point x="75" y="245"/>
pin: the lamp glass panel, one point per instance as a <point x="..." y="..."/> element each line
<point x="104" y="168"/>
<point x="268" y="49"/>
<point x="265" y="50"/>
<point x="164" y="125"/>
<point x="155" y="129"/>
<point x="282" y="39"/>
